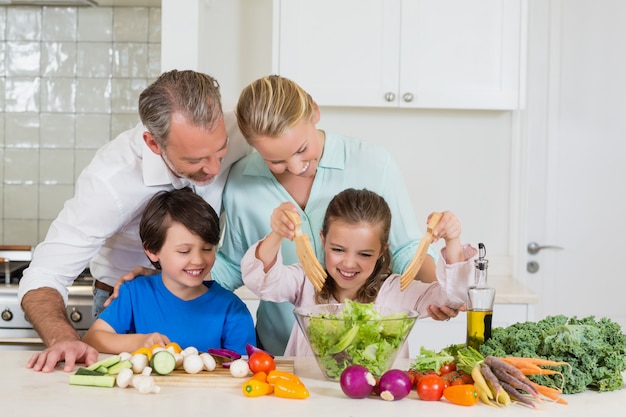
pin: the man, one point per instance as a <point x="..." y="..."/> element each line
<point x="182" y="140"/>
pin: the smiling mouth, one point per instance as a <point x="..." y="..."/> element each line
<point x="194" y="272"/>
<point x="303" y="170"/>
<point x="347" y="275"/>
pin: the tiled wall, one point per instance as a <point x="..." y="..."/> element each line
<point x="70" y="78"/>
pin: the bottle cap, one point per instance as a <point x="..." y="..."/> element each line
<point x="481" y="263"/>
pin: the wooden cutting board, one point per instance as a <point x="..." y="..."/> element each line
<point x="219" y="378"/>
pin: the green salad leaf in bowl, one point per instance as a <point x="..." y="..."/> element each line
<point x="349" y="333"/>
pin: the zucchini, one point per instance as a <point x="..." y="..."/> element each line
<point x="115" y="369"/>
<point x="85" y="371"/>
<point x="107" y="362"/>
<point x="163" y="362"/>
<point x="107" y="381"/>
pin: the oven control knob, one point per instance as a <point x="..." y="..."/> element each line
<point x="75" y="316"/>
<point x="7" y="315"/>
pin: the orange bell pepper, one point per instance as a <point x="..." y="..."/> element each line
<point x="276" y="374"/>
<point x="290" y="389"/>
<point x="255" y="388"/>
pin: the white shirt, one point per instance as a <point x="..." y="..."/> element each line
<point x="99" y="225"/>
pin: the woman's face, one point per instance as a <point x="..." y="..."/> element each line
<point x="351" y="252"/>
<point x="297" y="152"/>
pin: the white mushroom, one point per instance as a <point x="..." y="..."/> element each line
<point x="208" y="361"/>
<point x="139" y="362"/>
<point x="193" y="364"/>
<point x="145" y="384"/>
<point x="124" y="378"/>
<point x="239" y="368"/>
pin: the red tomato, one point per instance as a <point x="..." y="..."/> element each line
<point x="416" y="375"/>
<point x="456" y="378"/>
<point x="447" y="367"/>
<point x="430" y="387"/>
<point x="261" y="362"/>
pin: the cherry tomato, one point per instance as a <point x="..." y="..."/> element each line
<point x="461" y="394"/>
<point x="430" y="387"/>
<point x="261" y="362"/>
<point x="416" y="375"/>
<point x="447" y="367"/>
<point x="456" y="378"/>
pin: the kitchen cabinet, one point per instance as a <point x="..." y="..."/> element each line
<point x="403" y="53"/>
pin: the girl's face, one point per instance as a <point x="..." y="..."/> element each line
<point x="186" y="260"/>
<point x="297" y="152"/>
<point x="351" y="254"/>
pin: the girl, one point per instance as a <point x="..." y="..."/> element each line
<point x="180" y="232"/>
<point x="355" y="241"/>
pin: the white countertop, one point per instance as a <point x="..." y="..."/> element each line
<point x="24" y="392"/>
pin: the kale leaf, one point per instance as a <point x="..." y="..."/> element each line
<point x="596" y="350"/>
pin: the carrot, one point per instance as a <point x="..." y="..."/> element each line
<point x="549" y="392"/>
<point x="517" y="383"/>
<point x="538" y="371"/>
<point x="517" y="396"/>
<point x="520" y="362"/>
<point x="497" y="363"/>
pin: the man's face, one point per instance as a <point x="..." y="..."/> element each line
<point x="192" y="152"/>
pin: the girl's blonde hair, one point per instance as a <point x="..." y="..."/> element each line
<point x="353" y="207"/>
<point x="271" y="105"/>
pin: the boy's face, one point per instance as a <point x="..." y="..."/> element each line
<point x="186" y="260"/>
<point x="351" y="252"/>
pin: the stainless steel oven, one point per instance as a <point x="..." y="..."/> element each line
<point x="16" y="332"/>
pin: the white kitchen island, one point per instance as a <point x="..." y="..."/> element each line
<point x="26" y="393"/>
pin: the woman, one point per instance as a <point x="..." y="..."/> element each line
<point x="299" y="163"/>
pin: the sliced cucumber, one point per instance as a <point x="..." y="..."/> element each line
<point x="345" y="340"/>
<point x="115" y="369"/>
<point x="85" y="371"/>
<point x="107" y="362"/>
<point x="163" y="362"/>
<point x="107" y="381"/>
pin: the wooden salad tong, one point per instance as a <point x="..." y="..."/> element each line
<point x="420" y="254"/>
<point x="305" y="253"/>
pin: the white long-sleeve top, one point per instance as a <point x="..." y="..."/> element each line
<point x="99" y="225"/>
<point x="289" y="283"/>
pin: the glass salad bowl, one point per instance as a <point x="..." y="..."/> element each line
<point x="353" y="333"/>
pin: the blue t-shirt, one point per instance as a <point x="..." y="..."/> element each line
<point x="216" y="319"/>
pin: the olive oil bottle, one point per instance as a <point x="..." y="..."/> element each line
<point x="480" y="299"/>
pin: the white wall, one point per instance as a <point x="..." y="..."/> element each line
<point x="452" y="160"/>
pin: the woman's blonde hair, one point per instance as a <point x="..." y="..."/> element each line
<point x="271" y="105"/>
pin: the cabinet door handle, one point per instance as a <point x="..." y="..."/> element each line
<point x="408" y="97"/>
<point x="390" y="96"/>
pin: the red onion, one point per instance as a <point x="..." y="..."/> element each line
<point x="357" y="382"/>
<point x="394" y="384"/>
<point x="250" y="349"/>
<point x="223" y="356"/>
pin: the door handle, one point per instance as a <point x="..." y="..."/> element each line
<point x="534" y="247"/>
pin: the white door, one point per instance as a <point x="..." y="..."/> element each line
<point x="576" y="137"/>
